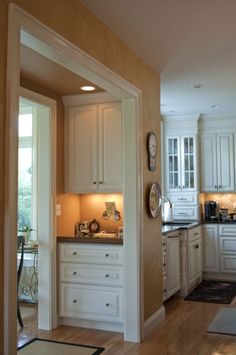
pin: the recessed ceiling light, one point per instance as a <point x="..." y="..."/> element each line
<point x="87" y="88"/>
<point x="215" y="106"/>
<point x="197" y="86"/>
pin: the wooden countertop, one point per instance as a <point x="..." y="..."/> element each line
<point x="89" y="240"/>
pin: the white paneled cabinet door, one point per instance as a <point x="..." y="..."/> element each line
<point x="188" y="163"/>
<point x="110" y="147"/>
<point x="217" y="162"/>
<point x="173" y="269"/>
<point x="195" y="261"/>
<point x="82" y="155"/>
<point x="208" y="161"/>
<point x="173" y="164"/>
<point x="225" y="166"/>
<point x="210" y="248"/>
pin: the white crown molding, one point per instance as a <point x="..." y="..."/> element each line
<point x="83" y="99"/>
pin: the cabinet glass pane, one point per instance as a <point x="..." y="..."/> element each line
<point x="191" y="162"/>
<point x="186" y="162"/>
<point x="176" y="181"/>
<point x="192" y="180"/>
<point x="190" y="145"/>
<point x="171" y="180"/>
<point x="186" y="185"/>
<point x="185" y="145"/>
<point x="175" y="146"/>
<point x="175" y="163"/>
<point x="170" y="151"/>
<point x="170" y="163"/>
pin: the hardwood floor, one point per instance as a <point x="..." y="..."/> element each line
<point x="182" y="333"/>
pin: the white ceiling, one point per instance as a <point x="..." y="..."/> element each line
<point x="187" y="41"/>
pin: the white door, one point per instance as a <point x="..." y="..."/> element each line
<point x="208" y="163"/>
<point x="110" y="147"/>
<point x="210" y="240"/>
<point x="225" y="162"/>
<point x="82" y="149"/>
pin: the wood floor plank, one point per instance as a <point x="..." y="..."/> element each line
<point x="182" y="333"/>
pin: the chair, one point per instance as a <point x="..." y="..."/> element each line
<point x="21" y="245"/>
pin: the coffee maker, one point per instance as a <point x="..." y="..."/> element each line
<point x="211" y="211"/>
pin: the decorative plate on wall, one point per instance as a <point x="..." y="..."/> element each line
<point x="152" y="150"/>
<point x="155" y="200"/>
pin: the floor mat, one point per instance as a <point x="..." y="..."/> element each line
<point x="46" y="347"/>
<point x="213" y="292"/>
<point x="224" y="322"/>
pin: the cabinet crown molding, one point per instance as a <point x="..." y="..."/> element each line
<point x="83" y="99"/>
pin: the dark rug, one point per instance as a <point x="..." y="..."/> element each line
<point x="44" y="346"/>
<point x="213" y="292"/>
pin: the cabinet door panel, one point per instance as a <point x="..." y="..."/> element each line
<point x="210" y="248"/>
<point x="173" y="163"/>
<point x="188" y="154"/>
<point x="208" y="162"/>
<point x="225" y="162"/>
<point x="82" y="137"/>
<point x="173" y="270"/>
<point x="192" y="263"/>
<point x="110" y="147"/>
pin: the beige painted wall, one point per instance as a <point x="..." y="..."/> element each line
<point x="78" y="25"/>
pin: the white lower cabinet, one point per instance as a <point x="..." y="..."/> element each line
<point x="91" y="285"/>
<point x="195" y="261"/>
<point x="219" y="251"/>
<point x="171" y="264"/>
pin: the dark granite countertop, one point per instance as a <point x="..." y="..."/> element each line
<point x="89" y="240"/>
<point x="180" y="225"/>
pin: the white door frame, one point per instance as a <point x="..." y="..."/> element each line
<point x="41" y="38"/>
<point x="46" y="202"/>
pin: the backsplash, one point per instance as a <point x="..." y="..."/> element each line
<point x="225" y="200"/>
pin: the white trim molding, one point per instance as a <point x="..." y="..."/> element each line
<point x="154" y="321"/>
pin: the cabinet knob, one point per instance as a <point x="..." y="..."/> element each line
<point x="107" y="275"/>
<point x="220" y="186"/>
<point x="100" y="182"/>
<point x="74" y="301"/>
<point x="216" y="187"/>
<point x="107" y="304"/>
<point x="75" y="272"/>
<point x="164" y="264"/>
<point x="106" y="255"/>
<point x="197" y="246"/>
<point x="74" y="252"/>
<point x="179" y="187"/>
<point x="94" y="182"/>
<point x="183" y="187"/>
<point x="195" y="233"/>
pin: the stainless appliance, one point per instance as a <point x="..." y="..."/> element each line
<point x="211" y="211"/>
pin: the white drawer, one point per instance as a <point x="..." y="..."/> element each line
<point x="91" y="274"/>
<point x="226" y="229"/>
<point x="194" y="233"/>
<point x="91" y="303"/>
<point x="186" y="198"/>
<point x="91" y="254"/>
<point x="228" y="263"/>
<point x="228" y="245"/>
<point x="192" y="213"/>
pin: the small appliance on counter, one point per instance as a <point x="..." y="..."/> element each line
<point x="211" y="209"/>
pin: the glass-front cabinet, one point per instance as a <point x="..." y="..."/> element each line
<point x="181" y="163"/>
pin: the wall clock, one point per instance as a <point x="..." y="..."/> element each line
<point x="152" y="150"/>
<point x="155" y="200"/>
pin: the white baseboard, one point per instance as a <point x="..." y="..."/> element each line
<point x="153" y="321"/>
<point x="220" y="276"/>
<point x="114" y="327"/>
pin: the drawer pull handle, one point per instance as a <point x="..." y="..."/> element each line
<point x="100" y="182"/>
<point x="75" y="272"/>
<point x="106" y="255"/>
<point x="197" y="246"/>
<point x="196" y="233"/>
<point x="94" y="182"/>
<point x="164" y="244"/>
<point x="107" y="304"/>
<point x="164" y="290"/>
<point x="75" y="253"/>
<point x="74" y="301"/>
<point x="107" y="275"/>
<point x="164" y="264"/>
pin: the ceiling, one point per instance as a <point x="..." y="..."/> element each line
<point x="188" y="42"/>
<point x="41" y="70"/>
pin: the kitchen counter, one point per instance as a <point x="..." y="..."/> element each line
<point x="179" y="226"/>
<point x="90" y="240"/>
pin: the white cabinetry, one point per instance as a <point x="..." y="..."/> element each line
<point x="191" y="259"/>
<point x="171" y="264"/>
<point x="217" y="162"/>
<point x="94" y="147"/>
<point x="91" y="285"/>
<point x="211" y="262"/>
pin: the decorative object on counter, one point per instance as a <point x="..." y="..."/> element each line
<point x="154" y="201"/>
<point x="211" y="209"/>
<point x="94" y="226"/>
<point x="213" y="292"/>
<point x="152" y="150"/>
<point x="224" y="216"/>
<point x="25" y="231"/>
<point x="111" y="212"/>
<point x="167" y="210"/>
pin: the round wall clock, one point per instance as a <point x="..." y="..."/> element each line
<point x="152" y="150"/>
<point x="155" y="200"/>
<point x="94" y="226"/>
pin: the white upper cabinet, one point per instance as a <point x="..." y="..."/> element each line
<point x="217" y="162"/>
<point x="94" y="148"/>
<point x="181" y="163"/>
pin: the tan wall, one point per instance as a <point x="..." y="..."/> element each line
<point x="77" y="24"/>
